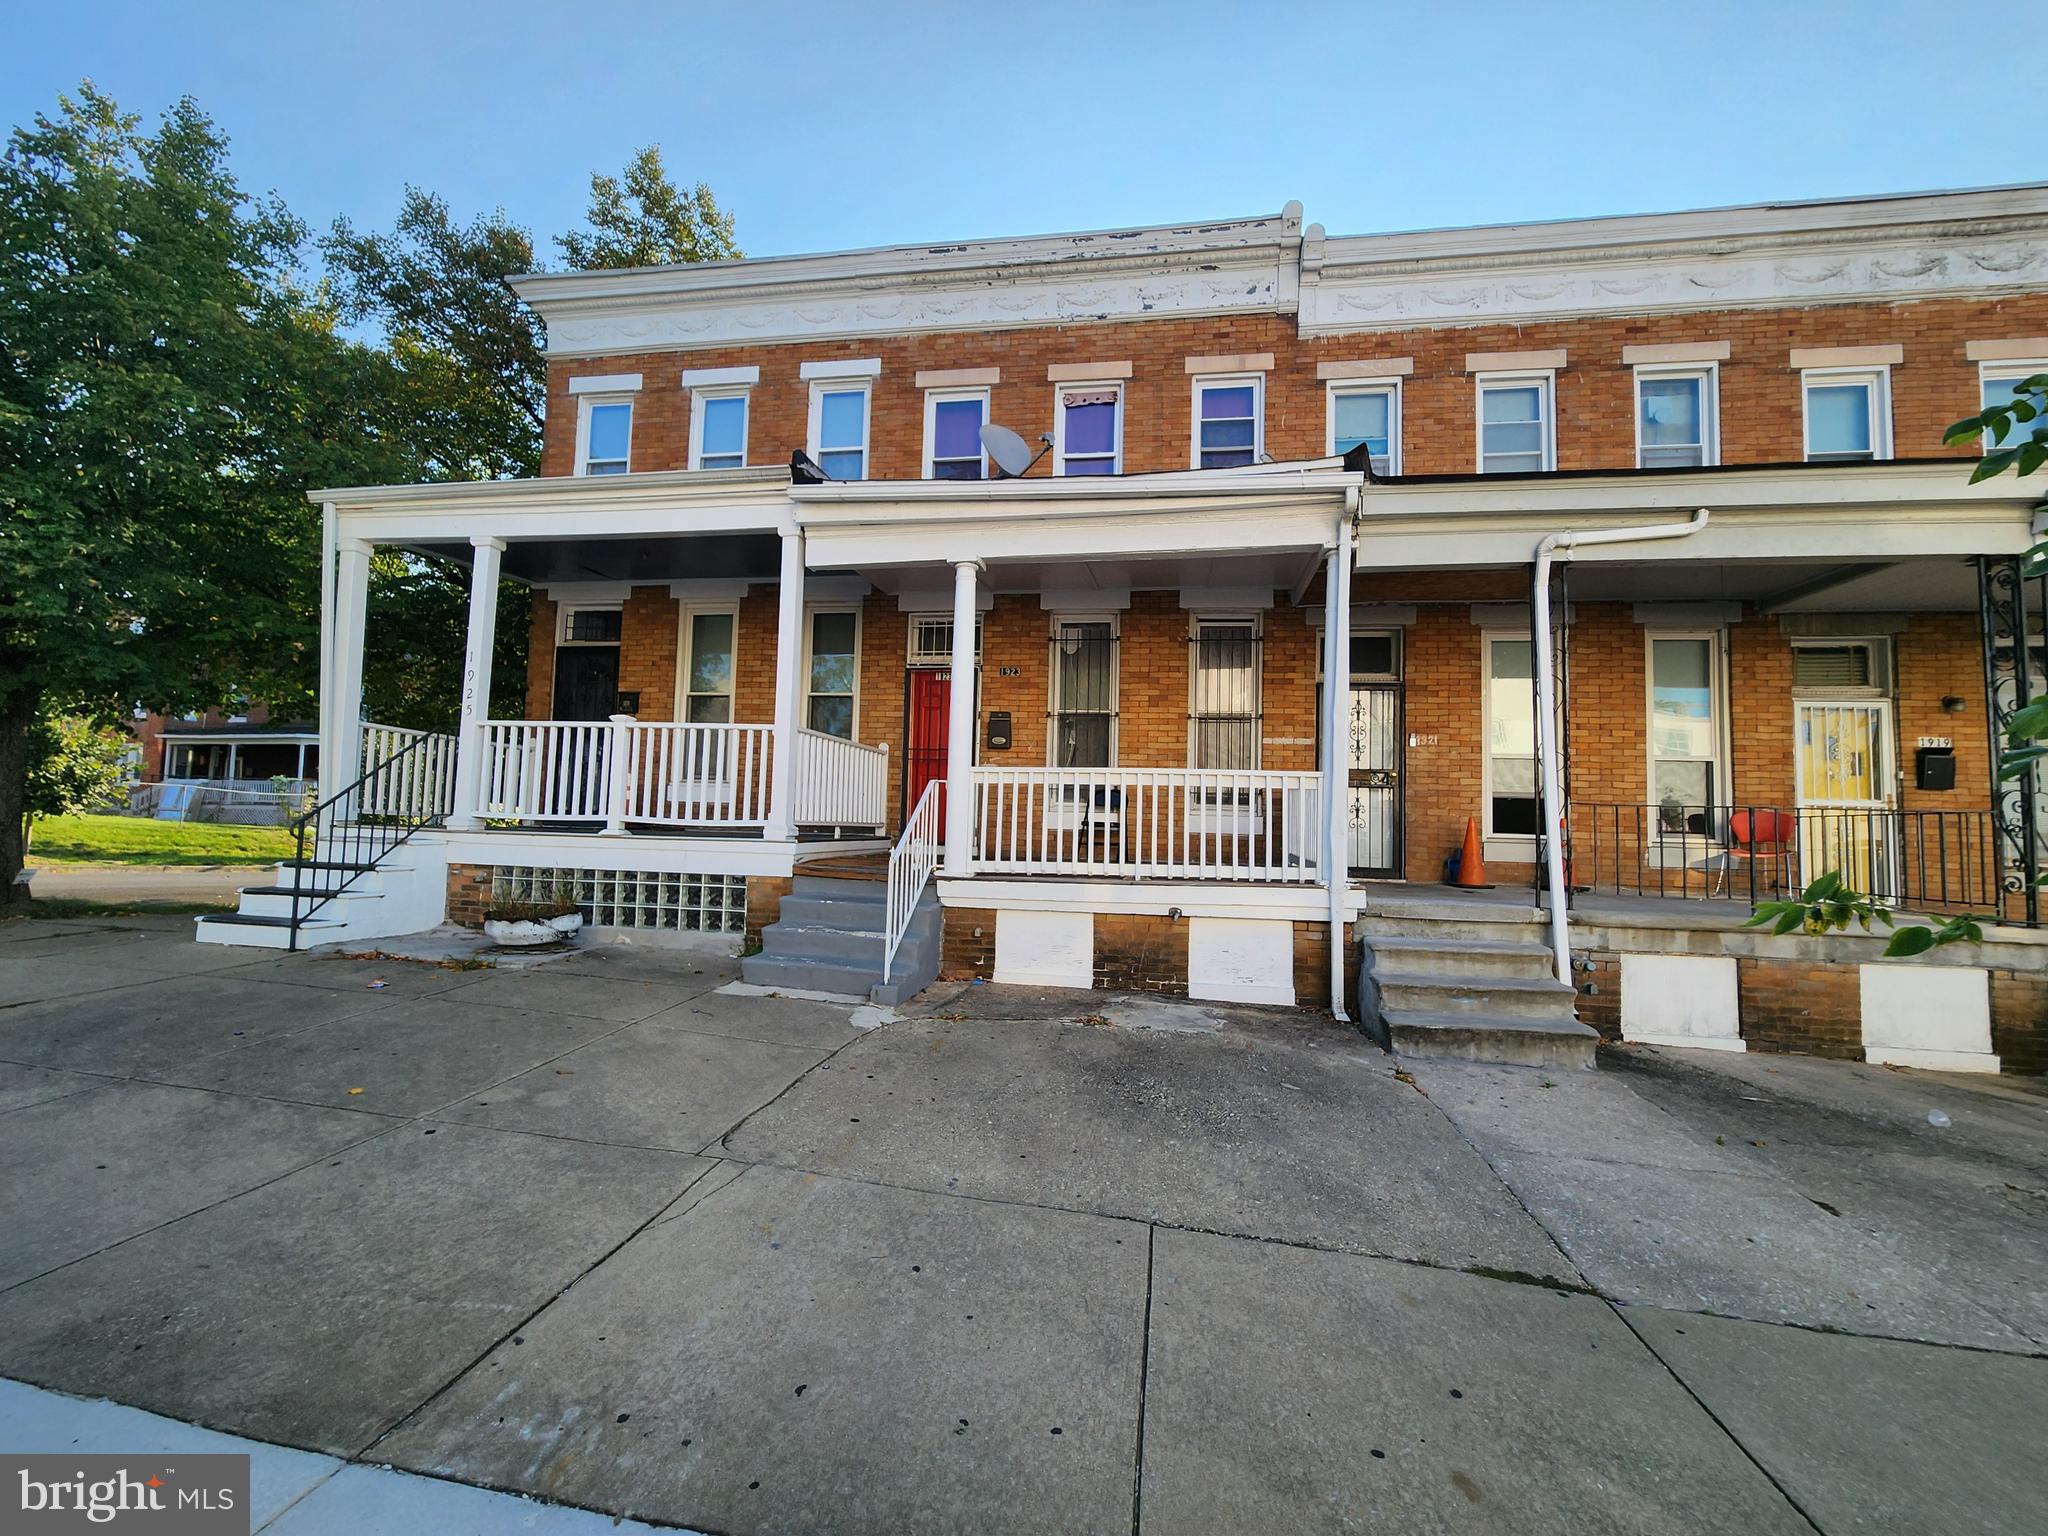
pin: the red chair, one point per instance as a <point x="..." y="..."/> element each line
<point x="1756" y="837"/>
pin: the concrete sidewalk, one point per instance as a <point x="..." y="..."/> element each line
<point x="1016" y="1261"/>
<point x="181" y="883"/>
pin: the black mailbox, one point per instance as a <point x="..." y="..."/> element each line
<point x="1934" y="768"/>
<point x="629" y="701"/>
<point x="997" y="736"/>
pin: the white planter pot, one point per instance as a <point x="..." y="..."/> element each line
<point x="568" y="925"/>
<point x="523" y="934"/>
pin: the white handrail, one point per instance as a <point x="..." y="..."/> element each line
<point x="911" y="862"/>
<point x="840" y="783"/>
<point x="420" y="788"/>
<point x="1175" y="823"/>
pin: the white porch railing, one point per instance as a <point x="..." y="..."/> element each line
<point x="911" y="862"/>
<point x="421" y="787"/>
<point x="697" y="775"/>
<point x="620" y="771"/>
<point x="1157" y="823"/>
<point x="840" y="783"/>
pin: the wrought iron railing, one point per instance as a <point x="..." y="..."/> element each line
<point x="1916" y="860"/>
<point x="355" y="829"/>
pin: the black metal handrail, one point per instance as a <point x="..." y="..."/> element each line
<point x="337" y="842"/>
<point x="1925" y="860"/>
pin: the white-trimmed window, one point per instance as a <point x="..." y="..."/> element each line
<point x="1516" y="426"/>
<point x="1999" y="384"/>
<point x="1848" y="413"/>
<point x="1229" y="428"/>
<point x="832" y="670"/>
<point x="1687" y="774"/>
<point x="839" y="427"/>
<point x="1367" y="411"/>
<point x="953" y="419"/>
<point x="1677" y="417"/>
<point x="1223" y="703"/>
<point x="604" y="434"/>
<point x="1088" y="429"/>
<point x="710" y="668"/>
<point x="931" y="639"/>
<point x="718" y="428"/>
<point x="1084" y="691"/>
<point x="1510" y="791"/>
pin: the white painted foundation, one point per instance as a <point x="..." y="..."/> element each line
<point x="1045" y="949"/>
<point x="1240" y="960"/>
<point x="1933" y="1016"/>
<point x="1686" y="1000"/>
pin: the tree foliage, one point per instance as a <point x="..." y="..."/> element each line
<point x="167" y="392"/>
<point x="644" y="219"/>
<point x="75" y="764"/>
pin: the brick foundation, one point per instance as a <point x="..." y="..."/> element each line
<point x="968" y="948"/>
<point x="1141" y="952"/>
<point x="764" y="904"/>
<point x="469" y="892"/>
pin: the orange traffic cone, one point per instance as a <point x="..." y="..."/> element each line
<point x="1471" y="867"/>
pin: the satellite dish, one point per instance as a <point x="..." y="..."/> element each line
<point x="1011" y="453"/>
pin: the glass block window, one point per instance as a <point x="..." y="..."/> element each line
<point x="615" y="898"/>
<point x="1226" y="423"/>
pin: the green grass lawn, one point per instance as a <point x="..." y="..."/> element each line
<point x="139" y="840"/>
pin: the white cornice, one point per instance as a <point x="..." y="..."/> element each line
<point x="1226" y="267"/>
<point x="1875" y="249"/>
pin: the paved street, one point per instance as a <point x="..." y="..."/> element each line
<point x="605" y="1234"/>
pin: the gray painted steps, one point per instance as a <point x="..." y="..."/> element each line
<point x="1563" y="1042"/>
<point x="829" y="937"/>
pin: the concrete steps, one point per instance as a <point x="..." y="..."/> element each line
<point x="405" y="894"/>
<point x="1467" y="980"/>
<point x="829" y="938"/>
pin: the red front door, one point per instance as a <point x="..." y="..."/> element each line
<point x="931" y="699"/>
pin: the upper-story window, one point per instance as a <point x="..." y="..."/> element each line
<point x="1848" y="413"/>
<point x="718" y="430"/>
<point x="1368" y="413"/>
<point x="604" y="437"/>
<point x="953" y="419"/>
<point x="1088" y="429"/>
<point x="842" y="393"/>
<point x="1516" y="430"/>
<point x="1675" y="417"/>
<point x="719" y="408"/>
<point x="604" y="422"/>
<point x="1229" y="421"/>
<point x="2000" y="385"/>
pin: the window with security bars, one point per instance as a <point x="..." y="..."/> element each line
<point x="593" y="626"/>
<point x="1083" y="693"/>
<point x="931" y="640"/>
<point x="1224" y="718"/>
<point x="1854" y="665"/>
<point x="624" y="898"/>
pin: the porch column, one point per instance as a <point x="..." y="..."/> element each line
<point x="1336" y="750"/>
<point x="325" y="698"/>
<point x="351" y="611"/>
<point x="789" y="655"/>
<point x="960" y="727"/>
<point x="486" y="560"/>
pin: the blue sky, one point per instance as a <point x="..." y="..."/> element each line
<point x="830" y="126"/>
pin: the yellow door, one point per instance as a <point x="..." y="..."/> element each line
<point x="1842" y="755"/>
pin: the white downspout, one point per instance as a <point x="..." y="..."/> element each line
<point x="1559" y="546"/>
<point x="1336" y="822"/>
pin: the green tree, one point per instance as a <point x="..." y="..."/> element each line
<point x="75" y="764"/>
<point x="167" y="392"/>
<point x="644" y="219"/>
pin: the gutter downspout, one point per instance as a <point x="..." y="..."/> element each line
<point x="1559" y="546"/>
<point x="1336" y="634"/>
